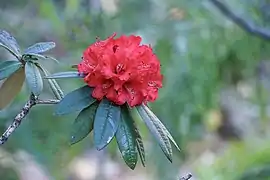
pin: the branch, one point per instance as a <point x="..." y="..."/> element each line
<point x="250" y="27"/>
<point x="21" y="115"/>
<point x="186" y="177"/>
<point x="49" y="101"/>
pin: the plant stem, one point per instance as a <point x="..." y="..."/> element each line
<point x="245" y="24"/>
<point x="186" y="177"/>
<point x="22" y="114"/>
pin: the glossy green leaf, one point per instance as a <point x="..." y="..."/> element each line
<point x="69" y="74"/>
<point x="8" y="67"/>
<point x="33" y="78"/>
<point x="56" y="89"/>
<point x="11" y="87"/>
<point x="84" y="123"/>
<point x="107" y="120"/>
<point x="157" y="131"/>
<point x="9" y="42"/>
<point x="40" y="47"/>
<point x="76" y="100"/>
<point x="126" y="139"/>
<point x="153" y="116"/>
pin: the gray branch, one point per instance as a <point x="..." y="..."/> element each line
<point x="22" y="114"/>
<point x="49" y="101"/>
<point x="250" y="27"/>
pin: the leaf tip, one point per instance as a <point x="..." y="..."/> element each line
<point x="132" y="165"/>
<point x="72" y="140"/>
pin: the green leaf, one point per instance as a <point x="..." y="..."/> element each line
<point x="11" y="87"/>
<point x="40" y="47"/>
<point x="140" y="148"/>
<point x="8" y="67"/>
<point x="9" y="42"/>
<point x="56" y="89"/>
<point x="76" y="100"/>
<point x="107" y="120"/>
<point x="139" y="141"/>
<point x="157" y="131"/>
<point x="84" y="123"/>
<point x="69" y="74"/>
<point x="126" y="139"/>
<point x="153" y="116"/>
<point x="34" y="57"/>
<point x="33" y="78"/>
<point x="139" y="144"/>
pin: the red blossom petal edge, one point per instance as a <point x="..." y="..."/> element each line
<point x="122" y="70"/>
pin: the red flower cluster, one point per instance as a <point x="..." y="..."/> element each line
<point x="122" y="70"/>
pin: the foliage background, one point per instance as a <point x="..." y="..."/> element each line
<point x="215" y="99"/>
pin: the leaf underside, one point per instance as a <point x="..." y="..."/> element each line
<point x="9" y="42"/>
<point x="126" y="139"/>
<point x="153" y="116"/>
<point x="157" y="131"/>
<point x="75" y="101"/>
<point x="40" y="47"/>
<point x="56" y="89"/>
<point x="33" y="78"/>
<point x="68" y="74"/>
<point x="11" y="87"/>
<point x="83" y="124"/>
<point x="106" y="123"/>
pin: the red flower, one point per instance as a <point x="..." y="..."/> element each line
<point x="122" y="70"/>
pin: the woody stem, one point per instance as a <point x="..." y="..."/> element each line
<point x="33" y="100"/>
<point x="186" y="177"/>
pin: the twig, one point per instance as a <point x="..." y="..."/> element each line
<point x="186" y="177"/>
<point x="21" y="115"/>
<point x="49" y="101"/>
<point x="250" y="27"/>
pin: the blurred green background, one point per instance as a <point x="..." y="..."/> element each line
<point x="215" y="98"/>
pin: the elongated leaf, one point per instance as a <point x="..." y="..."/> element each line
<point x="84" y="123"/>
<point x="157" y="131"/>
<point x="57" y="91"/>
<point x="69" y="74"/>
<point x="40" y="47"/>
<point x="107" y="120"/>
<point x="126" y="139"/>
<point x="8" y="67"/>
<point x="10" y="43"/>
<point x="153" y="116"/>
<point x="34" y="56"/>
<point x="33" y="78"/>
<point x="11" y="87"/>
<point x="76" y="100"/>
<point x="140" y="147"/>
<point x="139" y="141"/>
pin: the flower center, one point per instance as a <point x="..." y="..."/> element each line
<point x="115" y="48"/>
<point x="119" y="69"/>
